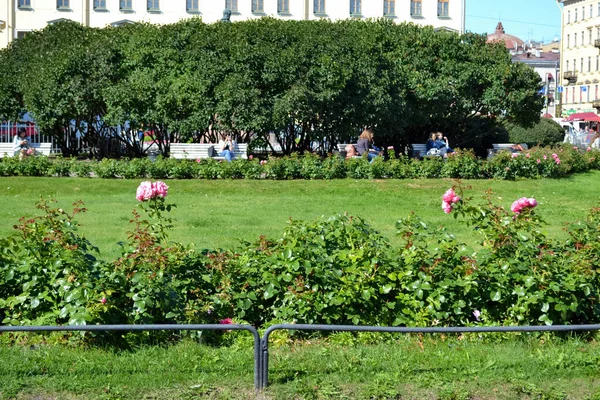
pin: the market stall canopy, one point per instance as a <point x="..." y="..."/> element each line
<point x="586" y="116"/>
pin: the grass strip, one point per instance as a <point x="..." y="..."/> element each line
<point x="218" y="214"/>
<point x="409" y="367"/>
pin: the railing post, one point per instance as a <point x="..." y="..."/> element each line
<point x="264" y="342"/>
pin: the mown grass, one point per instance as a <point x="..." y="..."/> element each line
<point x="213" y="214"/>
<point x="408" y="367"/>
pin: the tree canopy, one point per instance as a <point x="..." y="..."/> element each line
<point x="302" y="82"/>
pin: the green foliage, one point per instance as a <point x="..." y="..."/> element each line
<point x="193" y="80"/>
<point x="326" y="271"/>
<point x="544" y="133"/>
<point x="47" y="270"/>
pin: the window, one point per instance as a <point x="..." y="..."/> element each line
<point x="589" y="64"/>
<point x="581" y="69"/>
<point x="567" y="66"/>
<point x="231" y="5"/>
<point x="415" y="8"/>
<point x="192" y="6"/>
<point x="355" y="7"/>
<point x="283" y="6"/>
<point x="574" y="40"/>
<point x="125" y="5"/>
<point x="582" y="38"/>
<point x="257" y="6"/>
<point x="22" y="34"/>
<point x="597" y="62"/>
<point x="443" y="6"/>
<point x="582" y="13"/>
<point x="24" y="4"/>
<point x="153" y="5"/>
<point x="590" y="35"/>
<point x="575" y="15"/>
<point x="319" y="7"/>
<point x="568" y="41"/>
<point x="569" y="16"/>
<point x="574" y="64"/>
<point x="591" y="11"/>
<point x="99" y="4"/>
<point x="62" y="4"/>
<point x="389" y="7"/>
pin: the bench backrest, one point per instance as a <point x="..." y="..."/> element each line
<point x="502" y="146"/>
<point x="6" y="149"/>
<point x="194" y="151"/>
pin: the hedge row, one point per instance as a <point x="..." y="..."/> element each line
<point x="547" y="162"/>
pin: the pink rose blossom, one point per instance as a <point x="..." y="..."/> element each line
<point x="226" y="321"/>
<point x="455" y="199"/>
<point x="160" y="189"/>
<point x="557" y="160"/>
<point x="476" y="314"/>
<point x="527" y="155"/>
<point x="538" y="161"/>
<point x="545" y="158"/>
<point x="449" y="195"/>
<point x="250" y="157"/>
<point x="198" y="160"/>
<point x="589" y="148"/>
<point x="390" y="148"/>
<point x="514" y="155"/>
<point x="263" y="162"/>
<point x="103" y="300"/>
<point x="554" y="155"/>
<point x="524" y="202"/>
<point x="144" y="191"/>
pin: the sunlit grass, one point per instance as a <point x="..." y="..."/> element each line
<point x="407" y="367"/>
<point x="219" y="213"/>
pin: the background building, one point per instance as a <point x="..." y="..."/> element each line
<point x="18" y="17"/>
<point x="543" y="58"/>
<point x="580" y="61"/>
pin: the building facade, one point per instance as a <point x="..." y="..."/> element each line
<point x="580" y="56"/>
<point x="17" y="17"/>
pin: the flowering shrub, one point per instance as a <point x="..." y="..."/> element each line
<point x="335" y="271"/>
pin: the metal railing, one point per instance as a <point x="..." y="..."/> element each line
<point x="261" y="345"/>
<point x="264" y="374"/>
<point x="149" y="327"/>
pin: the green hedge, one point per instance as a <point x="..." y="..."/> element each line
<point x="547" y="162"/>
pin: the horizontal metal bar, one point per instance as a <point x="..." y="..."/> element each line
<point x="460" y="329"/>
<point x="264" y="374"/>
<point x="154" y="327"/>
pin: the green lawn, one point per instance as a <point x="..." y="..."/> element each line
<point x="219" y="213"/>
<point x="436" y="368"/>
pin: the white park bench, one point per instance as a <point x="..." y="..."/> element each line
<point x="342" y="149"/>
<point x="6" y="149"/>
<point x="193" y="151"/>
<point x="497" y="147"/>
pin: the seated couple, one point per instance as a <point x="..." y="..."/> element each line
<point x="437" y="145"/>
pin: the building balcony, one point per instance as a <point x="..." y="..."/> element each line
<point x="596" y="103"/>
<point x="597" y="43"/>
<point x="571" y="76"/>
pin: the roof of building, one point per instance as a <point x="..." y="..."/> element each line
<point x="510" y="41"/>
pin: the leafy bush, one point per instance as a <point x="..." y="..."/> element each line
<point x="47" y="271"/>
<point x="325" y="271"/>
<point x="544" y="133"/>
